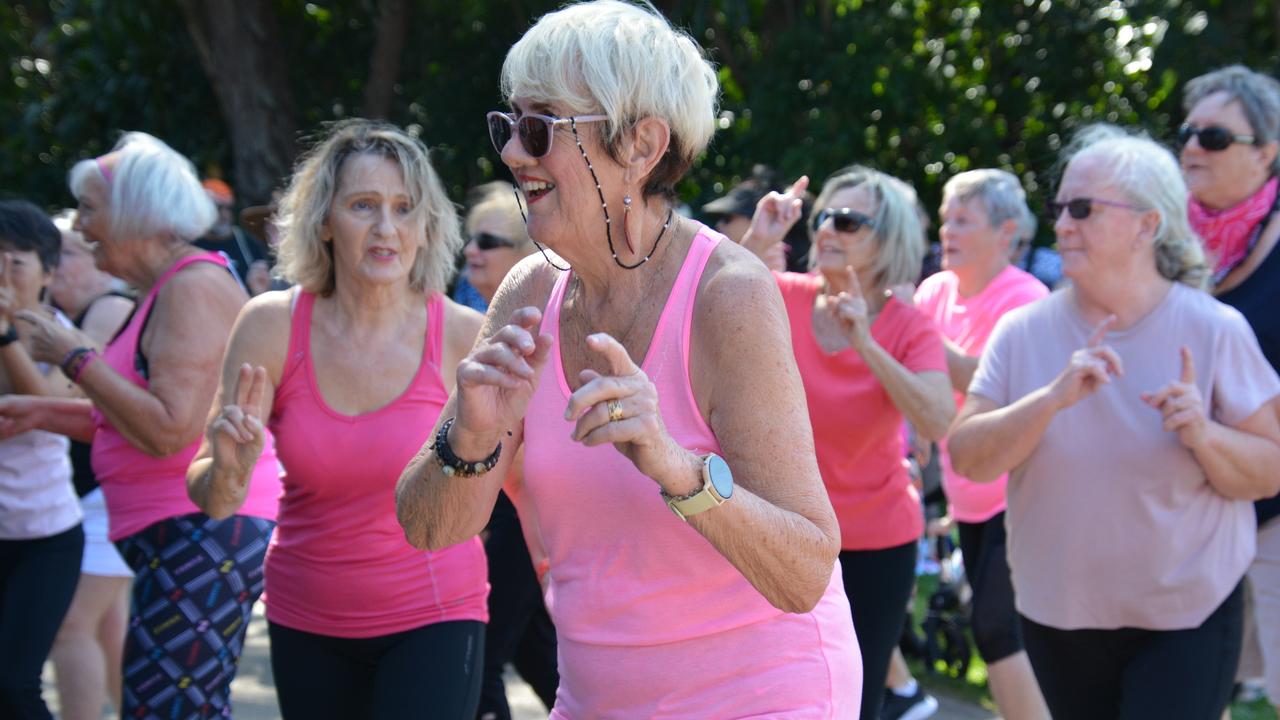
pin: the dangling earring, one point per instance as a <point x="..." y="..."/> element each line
<point x="626" y="226"/>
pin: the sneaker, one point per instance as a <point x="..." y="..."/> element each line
<point x="912" y="707"/>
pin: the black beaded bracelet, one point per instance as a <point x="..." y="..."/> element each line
<point x="454" y="466"/>
<point x="10" y="336"/>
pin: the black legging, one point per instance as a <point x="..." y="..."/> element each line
<point x="37" y="579"/>
<point x="429" y="672"/>
<point x="878" y="583"/>
<point x="994" y="618"/>
<point x="520" y="630"/>
<point x="1133" y="674"/>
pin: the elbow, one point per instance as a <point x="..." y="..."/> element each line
<point x="935" y="427"/>
<point x="799" y="601"/>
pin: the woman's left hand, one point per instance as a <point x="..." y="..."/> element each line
<point x="50" y="340"/>
<point x="851" y="311"/>
<point x="1182" y="406"/>
<point x="622" y="408"/>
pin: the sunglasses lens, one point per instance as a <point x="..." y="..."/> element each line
<point x="489" y="241"/>
<point x="847" y="223"/>
<point x="1080" y="208"/>
<point x="499" y="131"/>
<point x="1214" y="138"/>
<point x="535" y="134"/>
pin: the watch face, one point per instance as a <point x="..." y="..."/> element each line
<point x="721" y="478"/>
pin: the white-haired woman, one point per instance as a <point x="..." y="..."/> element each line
<point x="90" y="643"/>
<point x="984" y="215"/>
<point x="629" y="408"/>
<point x="349" y="371"/>
<point x="1131" y="469"/>
<point x="197" y="577"/>
<point x="1230" y="159"/>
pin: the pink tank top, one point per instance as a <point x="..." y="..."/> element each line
<point x="624" y="571"/>
<point x="338" y="563"/>
<point x="141" y="490"/>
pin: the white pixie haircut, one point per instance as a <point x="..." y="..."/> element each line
<point x="1001" y="195"/>
<point x="153" y="190"/>
<point x="1149" y="176"/>
<point x="624" y="61"/>
<point x="899" y="232"/>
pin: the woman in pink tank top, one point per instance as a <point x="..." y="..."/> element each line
<point x="669" y="478"/>
<point x="197" y="577"/>
<point x="349" y="371"/>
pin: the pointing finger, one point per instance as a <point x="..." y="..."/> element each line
<point x="1100" y="331"/>
<point x="1188" y="366"/>
<point x="620" y="363"/>
<point x="855" y="287"/>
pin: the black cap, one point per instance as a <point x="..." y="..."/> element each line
<point x="741" y="200"/>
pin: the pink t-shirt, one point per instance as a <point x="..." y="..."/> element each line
<point x="856" y="426"/>
<point x="141" y="490"/>
<point x="968" y="322"/>
<point x="652" y="620"/>
<point x="338" y="563"/>
<point x="1112" y="522"/>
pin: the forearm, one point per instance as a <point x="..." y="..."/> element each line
<point x="67" y="416"/>
<point x="929" y="411"/>
<point x="436" y="510"/>
<point x="135" y="413"/>
<point x="960" y="367"/>
<point x="24" y="376"/>
<point x="1238" y="464"/>
<point x="985" y="446"/>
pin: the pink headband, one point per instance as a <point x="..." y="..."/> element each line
<point x="104" y="169"/>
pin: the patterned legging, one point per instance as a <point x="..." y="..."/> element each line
<point x="195" y="583"/>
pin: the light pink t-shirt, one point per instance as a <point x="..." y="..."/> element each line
<point x="1112" y="522"/>
<point x="968" y="322"/>
<point x="652" y="620"/>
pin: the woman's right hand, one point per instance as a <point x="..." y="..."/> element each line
<point x="1091" y="367"/>
<point x="236" y="436"/>
<point x="496" y="381"/>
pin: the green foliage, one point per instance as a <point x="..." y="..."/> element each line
<point x="920" y="88"/>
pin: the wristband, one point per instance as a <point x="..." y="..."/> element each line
<point x="10" y="336"/>
<point x="454" y="466"/>
<point x="75" y="361"/>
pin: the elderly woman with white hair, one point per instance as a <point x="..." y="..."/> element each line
<point x="984" y="216"/>
<point x="1230" y="159"/>
<point x="1132" y="468"/>
<point x="348" y="371"/>
<point x="148" y="391"/>
<point x="668" y="461"/>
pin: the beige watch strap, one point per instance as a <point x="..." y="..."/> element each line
<point x="703" y="501"/>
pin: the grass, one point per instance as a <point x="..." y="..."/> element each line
<point x="973" y="686"/>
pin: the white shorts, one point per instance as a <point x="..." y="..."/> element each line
<point x="100" y="554"/>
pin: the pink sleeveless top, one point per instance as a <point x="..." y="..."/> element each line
<point x="141" y="490"/>
<point x="338" y="563"/>
<point x="652" y="620"/>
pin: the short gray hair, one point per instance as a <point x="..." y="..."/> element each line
<point x="1149" y="176"/>
<point x="305" y="258"/>
<point x="624" y="61"/>
<point x="152" y="190"/>
<point x="1258" y="94"/>
<point x="899" y="232"/>
<point x="1001" y="195"/>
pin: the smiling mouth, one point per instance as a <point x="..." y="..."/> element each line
<point x="535" y="190"/>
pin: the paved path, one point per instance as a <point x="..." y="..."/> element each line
<point x="255" y="699"/>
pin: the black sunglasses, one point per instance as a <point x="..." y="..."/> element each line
<point x="489" y="241"/>
<point x="1081" y="208"/>
<point x="844" y="220"/>
<point x="535" y="131"/>
<point x="1213" y="138"/>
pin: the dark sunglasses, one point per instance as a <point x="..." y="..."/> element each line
<point x="844" y="220"/>
<point x="535" y="131"/>
<point x="489" y="241"/>
<point x="1081" y="208"/>
<point x="1213" y="138"/>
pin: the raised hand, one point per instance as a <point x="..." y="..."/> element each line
<point x="852" y="313"/>
<point x="497" y="379"/>
<point x="236" y="436"/>
<point x="775" y="214"/>
<point x="50" y="340"/>
<point x="1090" y="368"/>
<point x="1181" y="405"/>
<point x="621" y="408"/>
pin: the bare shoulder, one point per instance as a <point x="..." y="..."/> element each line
<point x="736" y="287"/>
<point x="261" y="333"/>
<point x="203" y="280"/>
<point x="528" y="284"/>
<point x="461" y="325"/>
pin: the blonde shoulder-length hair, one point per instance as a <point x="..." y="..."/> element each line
<point x="899" y="232"/>
<point x="305" y="258"/>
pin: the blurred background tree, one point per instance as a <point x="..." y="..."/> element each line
<point x="920" y="88"/>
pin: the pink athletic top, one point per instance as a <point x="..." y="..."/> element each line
<point x="857" y="430"/>
<point x="652" y="621"/>
<point x="338" y="563"/>
<point x="142" y="490"/>
<point x="968" y="322"/>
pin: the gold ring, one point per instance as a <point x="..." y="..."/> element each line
<point x="615" y="410"/>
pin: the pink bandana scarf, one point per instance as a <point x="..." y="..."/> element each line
<point x="1230" y="234"/>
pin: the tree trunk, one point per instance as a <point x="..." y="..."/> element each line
<point x="384" y="64"/>
<point x="237" y="43"/>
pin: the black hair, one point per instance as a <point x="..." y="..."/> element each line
<point x="25" y="228"/>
